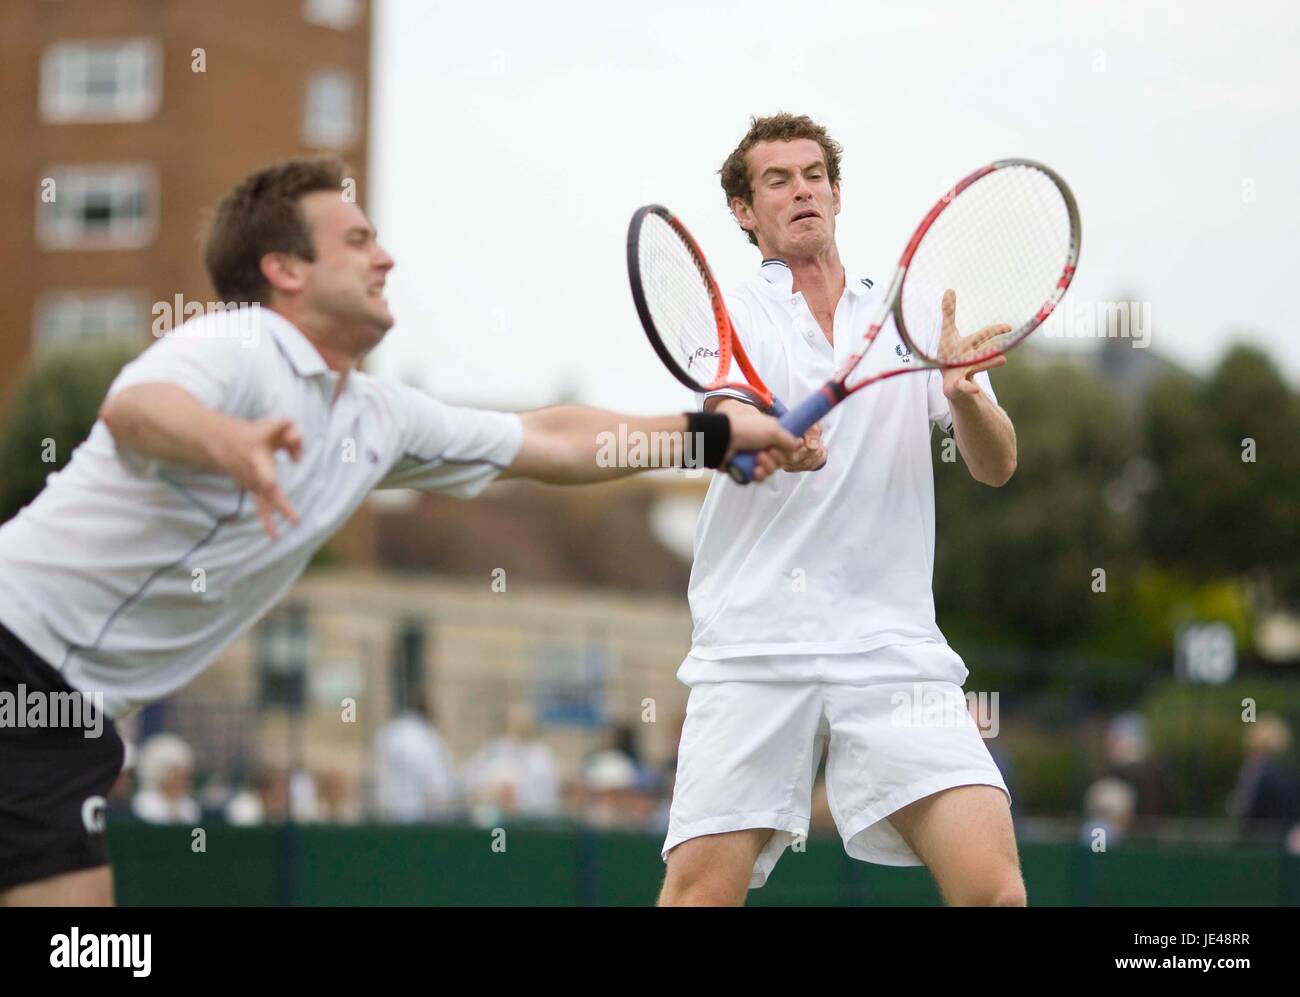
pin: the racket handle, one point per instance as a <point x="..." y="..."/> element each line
<point x="797" y="421"/>
<point x="778" y="407"/>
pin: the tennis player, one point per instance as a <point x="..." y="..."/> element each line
<point x="224" y="457"/>
<point x="811" y="595"/>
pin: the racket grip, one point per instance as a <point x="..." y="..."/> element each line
<point x="797" y="421"/>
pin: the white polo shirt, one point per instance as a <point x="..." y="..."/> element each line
<point x="832" y="562"/>
<point x="129" y="575"/>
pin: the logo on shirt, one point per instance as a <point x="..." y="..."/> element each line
<point x="372" y="455"/>
<point x="92" y="814"/>
<point x="904" y="353"/>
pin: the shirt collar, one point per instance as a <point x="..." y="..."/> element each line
<point x="777" y="275"/>
<point x="301" y="353"/>
<point x="779" y="278"/>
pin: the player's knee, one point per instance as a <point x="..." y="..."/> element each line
<point x="1004" y="891"/>
<point x="710" y="892"/>
<point x="700" y="875"/>
<point x="696" y="885"/>
<point x="1008" y="892"/>
<point x="1010" y="895"/>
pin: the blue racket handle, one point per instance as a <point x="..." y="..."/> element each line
<point x="797" y="421"/>
<point x="778" y="409"/>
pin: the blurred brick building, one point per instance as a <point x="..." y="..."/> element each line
<point x="143" y="113"/>
<point x="125" y="122"/>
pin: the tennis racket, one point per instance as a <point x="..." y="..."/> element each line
<point x="682" y="310"/>
<point x="1006" y="240"/>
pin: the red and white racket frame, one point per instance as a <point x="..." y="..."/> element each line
<point x="834" y="391"/>
<point x="729" y="344"/>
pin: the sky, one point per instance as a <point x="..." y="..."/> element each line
<point x="511" y="144"/>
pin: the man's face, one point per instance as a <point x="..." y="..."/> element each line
<point x="345" y="283"/>
<point x="794" y="205"/>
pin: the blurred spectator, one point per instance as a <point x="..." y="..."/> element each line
<point x="1128" y="759"/>
<point x="245" y="809"/>
<point x="617" y="794"/>
<point x="1266" y="801"/>
<point x="216" y="793"/>
<point x="670" y="766"/>
<point x="275" y="795"/>
<point x="1292" y="842"/>
<point x="667" y="780"/>
<point x="574" y="795"/>
<point x="514" y="775"/>
<point x="609" y="770"/>
<point x="304" y="804"/>
<point x="1109" y="805"/>
<point x="123" y="789"/>
<point x="337" y="793"/>
<point x="621" y="739"/>
<point x="165" y="770"/>
<point x="415" y="777"/>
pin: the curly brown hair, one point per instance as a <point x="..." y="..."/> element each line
<point x="263" y="214"/>
<point x="779" y="127"/>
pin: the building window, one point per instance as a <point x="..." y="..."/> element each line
<point x="337" y="14"/>
<point x="100" y="81"/>
<point x="283" y="643"/>
<point x="408" y="680"/>
<point x="97" y="207"/>
<point x="330" y="116"/>
<point x="65" y="317"/>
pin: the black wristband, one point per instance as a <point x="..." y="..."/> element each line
<point x="714" y="429"/>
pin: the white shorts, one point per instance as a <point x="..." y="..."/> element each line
<point x="750" y="750"/>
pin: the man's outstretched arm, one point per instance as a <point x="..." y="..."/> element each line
<point x="573" y="444"/>
<point x="567" y="444"/>
<point x="163" y="421"/>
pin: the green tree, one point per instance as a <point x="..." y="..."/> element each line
<point x="1019" y="561"/>
<point x="49" y="413"/>
<point x="1226" y="503"/>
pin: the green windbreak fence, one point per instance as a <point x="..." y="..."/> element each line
<point x="375" y="865"/>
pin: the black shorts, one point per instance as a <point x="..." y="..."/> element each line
<point x="54" y="779"/>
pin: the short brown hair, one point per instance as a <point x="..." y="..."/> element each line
<point x="779" y="127"/>
<point x="263" y="214"/>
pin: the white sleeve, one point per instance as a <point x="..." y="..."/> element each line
<point x="940" y="413"/>
<point x="210" y="367"/>
<point x="443" y="448"/>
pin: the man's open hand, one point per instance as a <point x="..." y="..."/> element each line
<point x="959" y="381"/>
<point x="246" y="452"/>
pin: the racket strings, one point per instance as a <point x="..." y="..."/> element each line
<point x="677" y="292"/>
<point x="1001" y="245"/>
